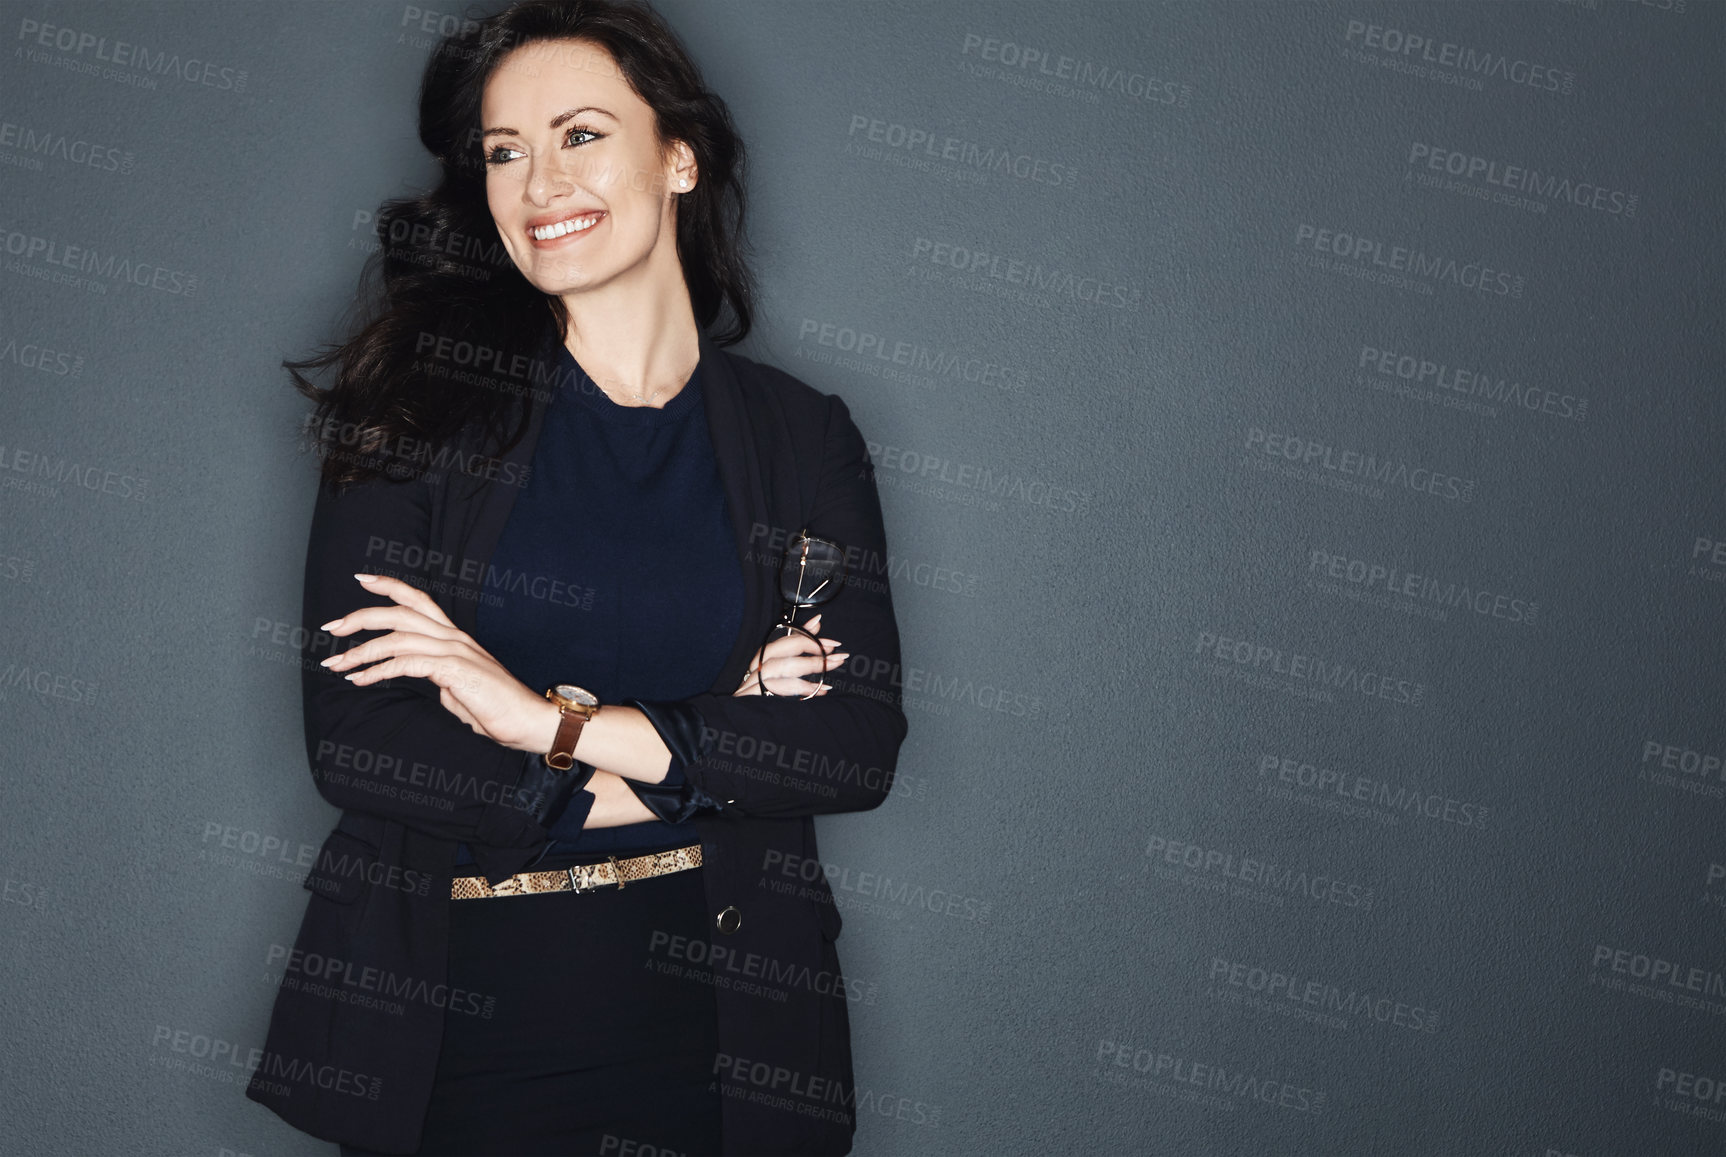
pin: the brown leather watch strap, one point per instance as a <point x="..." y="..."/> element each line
<point x="561" y="757"/>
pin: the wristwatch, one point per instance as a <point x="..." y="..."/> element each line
<point x="577" y="705"/>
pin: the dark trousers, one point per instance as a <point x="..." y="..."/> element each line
<point x="589" y="1048"/>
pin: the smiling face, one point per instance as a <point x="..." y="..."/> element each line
<point x="576" y="179"/>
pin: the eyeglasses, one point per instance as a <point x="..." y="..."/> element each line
<point x="809" y="575"/>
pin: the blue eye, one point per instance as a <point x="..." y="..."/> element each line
<point x="493" y="158"/>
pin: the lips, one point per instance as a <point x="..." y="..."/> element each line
<point x="572" y="224"/>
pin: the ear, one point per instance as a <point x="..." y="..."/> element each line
<point x="681" y="167"/>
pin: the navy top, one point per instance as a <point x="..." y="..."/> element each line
<point x="616" y="571"/>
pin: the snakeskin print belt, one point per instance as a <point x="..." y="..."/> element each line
<point x="581" y="877"/>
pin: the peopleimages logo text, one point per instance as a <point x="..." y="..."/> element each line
<point x="1032" y="275"/>
<point x="1475" y="62"/>
<point x="1373" y="468"/>
<point x="1262" y="657"/>
<point x="1369" y="252"/>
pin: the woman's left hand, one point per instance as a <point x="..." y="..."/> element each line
<point x="423" y="643"/>
<point x="789" y="659"/>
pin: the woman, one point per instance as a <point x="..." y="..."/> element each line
<point x="541" y="926"/>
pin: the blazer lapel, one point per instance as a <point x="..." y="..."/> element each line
<point x="738" y="455"/>
<point x="481" y="507"/>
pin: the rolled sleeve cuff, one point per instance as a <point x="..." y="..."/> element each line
<point x="674" y="798"/>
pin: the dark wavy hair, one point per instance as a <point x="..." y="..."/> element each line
<point x="413" y="372"/>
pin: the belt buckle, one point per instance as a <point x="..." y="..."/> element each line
<point x="575" y="886"/>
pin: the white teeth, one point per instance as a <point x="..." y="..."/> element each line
<point x="573" y="225"/>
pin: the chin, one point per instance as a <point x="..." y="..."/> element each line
<point x="560" y="279"/>
<point x="562" y="286"/>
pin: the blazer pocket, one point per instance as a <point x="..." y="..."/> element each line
<point x="342" y="869"/>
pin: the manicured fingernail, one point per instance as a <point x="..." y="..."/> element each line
<point x="328" y="661"/>
<point x="331" y="625"/>
<point x="367" y="578"/>
<point x="351" y="675"/>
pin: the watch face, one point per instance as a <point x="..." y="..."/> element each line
<point x="577" y="694"/>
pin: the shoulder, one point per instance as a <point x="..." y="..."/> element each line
<point x="801" y="406"/>
<point x="764" y="383"/>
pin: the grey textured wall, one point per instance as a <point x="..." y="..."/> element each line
<point x="1300" y="436"/>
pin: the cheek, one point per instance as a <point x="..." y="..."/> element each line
<point x="495" y="198"/>
<point x="635" y="179"/>
<point x="641" y="214"/>
<point x="498" y="203"/>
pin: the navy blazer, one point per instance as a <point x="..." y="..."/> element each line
<point x="412" y="781"/>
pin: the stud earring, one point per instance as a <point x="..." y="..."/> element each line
<point x="682" y="183"/>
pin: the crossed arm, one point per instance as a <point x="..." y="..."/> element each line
<point x="613" y="803"/>
<point x="618" y="741"/>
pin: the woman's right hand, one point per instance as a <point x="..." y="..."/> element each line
<point x="785" y="661"/>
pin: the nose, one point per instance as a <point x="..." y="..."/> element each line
<point x="545" y="180"/>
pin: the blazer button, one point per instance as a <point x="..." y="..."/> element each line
<point x="729" y="920"/>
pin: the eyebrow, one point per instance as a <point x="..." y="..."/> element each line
<point x="556" y="121"/>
